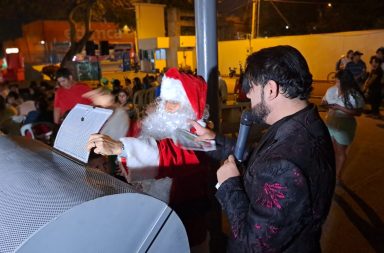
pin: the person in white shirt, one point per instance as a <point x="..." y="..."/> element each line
<point x="344" y="101"/>
<point x="344" y="59"/>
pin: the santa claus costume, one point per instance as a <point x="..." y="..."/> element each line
<point x="152" y="160"/>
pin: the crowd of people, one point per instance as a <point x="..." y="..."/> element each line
<point x="370" y="81"/>
<point x="355" y="87"/>
<point x="50" y="102"/>
<point x="25" y="105"/>
<point x="281" y="199"/>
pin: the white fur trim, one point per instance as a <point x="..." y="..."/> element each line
<point x="142" y="156"/>
<point x="172" y="89"/>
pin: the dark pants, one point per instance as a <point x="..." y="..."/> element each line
<point x="374" y="99"/>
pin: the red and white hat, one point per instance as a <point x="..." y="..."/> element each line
<point x="184" y="88"/>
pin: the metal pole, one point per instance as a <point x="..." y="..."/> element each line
<point x="206" y="48"/>
<point x="253" y="18"/>
<point x="258" y="19"/>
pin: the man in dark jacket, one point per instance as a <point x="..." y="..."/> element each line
<point x="283" y="197"/>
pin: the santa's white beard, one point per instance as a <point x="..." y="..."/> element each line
<point x="161" y="124"/>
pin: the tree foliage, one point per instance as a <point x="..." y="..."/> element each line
<point x="50" y="71"/>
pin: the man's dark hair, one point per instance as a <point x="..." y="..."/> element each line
<point x="374" y="58"/>
<point x="348" y="87"/>
<point x="283" y="64"/>
<point x="25" y="94"/>
<point x="41" y="104"/>
<point x="380" y="49"/>
<point x="63" y="72"/>
<point x="12" y="94"/>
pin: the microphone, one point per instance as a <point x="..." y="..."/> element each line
<point x="245" y="124"/>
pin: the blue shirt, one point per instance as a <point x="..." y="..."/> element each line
<point x="357" y="69"/>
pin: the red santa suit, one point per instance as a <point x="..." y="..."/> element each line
<point x="166" y="170"/>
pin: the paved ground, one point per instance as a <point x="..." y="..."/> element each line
<point x="355" y="223"/>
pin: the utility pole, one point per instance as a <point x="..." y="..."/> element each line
<point x="258" y="19"/>
<point x="206" y="48"/>
<point x="254" y="4"/>
<point x="255" y="18"/>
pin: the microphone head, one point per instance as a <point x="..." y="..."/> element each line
<point x="247" y="117"/>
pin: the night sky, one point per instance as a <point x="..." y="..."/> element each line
<point x="303" y="16"/>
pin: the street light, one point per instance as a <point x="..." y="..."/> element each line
<point x="12" y="50"/>
<point x="329" y="5"/>
<point x="287" y="27"/>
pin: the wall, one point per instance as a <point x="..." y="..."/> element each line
<point x="145" y="16"/>
<point x="320" y="50"/>
<point x="186" y="58"/>
<point x="57" y="32"/>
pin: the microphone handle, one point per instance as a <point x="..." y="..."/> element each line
<point x="240" y="166"/>
<point x="241" y="142"/>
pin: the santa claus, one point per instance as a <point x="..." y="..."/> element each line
<point x="151" y="157"/>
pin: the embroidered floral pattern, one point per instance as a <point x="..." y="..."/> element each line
<point x="272" y="193"/>
<point x="298" y="178"/>
<point x="235" y="231"/>
<point x="273" y="229"/>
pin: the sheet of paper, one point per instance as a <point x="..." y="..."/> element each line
<point x="74" y="132"/>
<point x="186" y="140"/>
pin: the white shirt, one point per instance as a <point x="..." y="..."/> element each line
<point x="332" y="96"/>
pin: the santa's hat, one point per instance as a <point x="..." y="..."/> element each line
<point x="184" y="88"/>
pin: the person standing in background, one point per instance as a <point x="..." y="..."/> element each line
<point x="358" y="68"/>
<point x="344" y="101"/>
<point x="68" y="94"/>
<point x="373" y="86"/>
<point x="380" y="55"/>
<point x="344" y="60"/>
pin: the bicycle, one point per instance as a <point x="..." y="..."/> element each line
<point x="232" y="72"/>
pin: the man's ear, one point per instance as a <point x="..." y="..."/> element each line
<point x="271" y="89"/>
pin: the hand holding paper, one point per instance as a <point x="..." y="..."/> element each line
<point x="104" y="145"/>
<point x="203" y="134"/>
<point x="187" y="140"/>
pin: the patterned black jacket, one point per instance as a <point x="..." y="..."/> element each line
<point x="284" y="196"/>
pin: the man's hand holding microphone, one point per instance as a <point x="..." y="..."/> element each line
<point x="230" y="166"/>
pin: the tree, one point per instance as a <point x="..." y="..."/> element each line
<point x="116" y="10"/>
<point x="78" y="45"/>
<point x="50" y="71"/>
